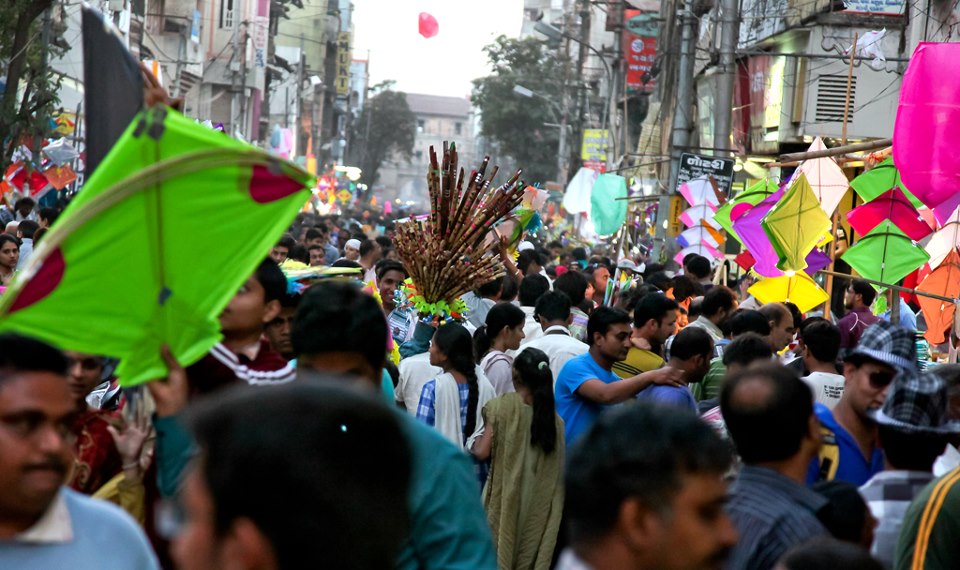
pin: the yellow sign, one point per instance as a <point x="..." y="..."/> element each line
<point x="676" y="208"/>
<point x="594" y="148"/>
<point x="343" y="65"/>
<point x="344" y="196"/>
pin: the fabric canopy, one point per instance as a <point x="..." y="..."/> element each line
<point x="892" y="205"/>
<point x="795" y="224"/>
<point x="943" y="281"/>
<point x="885" y="254"/>
<point x="798" y="289"/>
<point x="926" y="140"/>
<point x="827" y="180"/>
<point x="122" y="263"/>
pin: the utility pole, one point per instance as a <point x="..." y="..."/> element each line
<point x="243" y="81"/>
<point x="235" y="66"/>
<point x="582" y="108"/>
<point x="563" y="155"/>
<point x="682" y="120"/>
<point x="729" y="35"/>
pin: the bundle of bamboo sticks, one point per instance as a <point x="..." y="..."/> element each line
<point x="447" y="253"/>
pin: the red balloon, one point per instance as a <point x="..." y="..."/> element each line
<point x="428" y="25"/>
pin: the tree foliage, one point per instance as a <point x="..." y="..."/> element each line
<point x="30" y="96"/>
<point x="386" y="126"/>
<point x="515" y="122"/>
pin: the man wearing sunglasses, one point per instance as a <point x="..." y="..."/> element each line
<point x="850" y="451"/>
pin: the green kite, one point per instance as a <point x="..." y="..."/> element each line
<point x="171" y="224"/>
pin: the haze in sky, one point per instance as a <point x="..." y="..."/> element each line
<point x="442" y="65"/>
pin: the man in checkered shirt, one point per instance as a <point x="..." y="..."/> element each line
<point x="913" y="429"/>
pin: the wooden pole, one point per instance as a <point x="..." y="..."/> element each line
<point x="898" y="288"/>
<point x="836" y="151"/>
<point x="836" y="216"/>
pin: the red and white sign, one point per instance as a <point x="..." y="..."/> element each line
<point x="640" y="53"/>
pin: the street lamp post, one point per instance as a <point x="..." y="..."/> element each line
<point x="562" y="147"/>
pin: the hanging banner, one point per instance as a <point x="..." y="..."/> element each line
<point x="701" y="166"/>
<point x="640" y="52"/>
<point x="343" y="65"/>
<point x="594" y="148"/>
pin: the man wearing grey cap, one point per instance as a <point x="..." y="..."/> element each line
<point x="913" y="428"/>
<point x="850" y="451"/>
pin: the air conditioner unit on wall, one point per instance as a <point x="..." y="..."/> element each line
<point x="873" y="100"/>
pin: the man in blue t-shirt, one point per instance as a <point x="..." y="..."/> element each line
<point x="690" y="354"/>
<point x="850" y="450"/>
<point x="587" y="385"/>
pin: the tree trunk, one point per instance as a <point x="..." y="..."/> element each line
<point x="17" y="63"/>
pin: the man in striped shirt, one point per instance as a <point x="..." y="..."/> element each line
<point x="769" y="415"/>
<point x="931" y="528"/>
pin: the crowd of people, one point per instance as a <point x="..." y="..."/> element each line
<point x="683" y="426"/>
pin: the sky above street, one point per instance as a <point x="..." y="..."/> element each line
<point x="442" y="65"/>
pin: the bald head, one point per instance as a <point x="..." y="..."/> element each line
<point x="767" y="410"/>
<point x="12" y="228"/>
<point x="782" y="329"/>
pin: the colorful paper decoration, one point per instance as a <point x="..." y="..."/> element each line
<point x="59" y="176"/>
<point x="892" y="205"/>
<point x="703" y="249"/>
<point x="944" y="239"/>
<point x="694" y="215"/>
<point x="699" y="191"/>
<point x="703" y="233"/>
<point x="885" y="254"/>
<point x="827" y="180"/>
<point x="608" y="206"/>
<point x="796" y="288"/>
<point x="926" y="140"/>
<point x="752" y="196"/>
<point x="795" y="224"/>
<point x="755" y="240"/>
<point x="123" y="260"/>
<point x="943" y="281"/>
<point x="880" y="179"/>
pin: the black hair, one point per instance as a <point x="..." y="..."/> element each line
<point x="272" y="279"/>
<point x="631" y="297"/>
<point x="579" y="254"/>
<point x="699" y="266"/>
<point x="511" y="288"/>
<point x="807" y="322"/>
<point x="771" y="430"/>
<point x="829" y="554"/>
<point x="746" y="320"/>
<point x="553" y="306"/>
<point x="911" y="451"/>
<point x="660" y="280"/>
<point x="527" y="258"/>
<point x="499" y="317"/>
<point x="652" y="268"/>
<point x="313" y="233"/>
<point x="690" y="342"/>
<point x="454" y="341"/>
<point x="9" y="238"/>
<point x="687" y="258"/>
<point x="367" y="246"/>
<point x="555" y="243"/>
<point x="340" y="317"/>
<point x="385" y="265"/>
<point x="532" y="287"/>
<point x="27" y="228"/>
<point x="694" y="309"/>
<point x="717" y="299"/>
<point x="795" y="313"/>
<point x="491" y="288"/>
<point x="746" y="349"/>
<point x="653" y="306"/>
<point x="287" y="241"/>
<point x="574" y="284"/>
<point x="299" y="253"/>
<point x="385" y="242"/>
<point x="26" y="201"/>
<point x="346" y="264"/>
<point x="864" y="289"/>
<point x="602" y="318"/>
<point x="685" y="287"/>
<point x="49" y="214"/>
<point x="639" y="451"/>
<point x="823" y="340"/>
<point x="532" y="369"/>
<point x="326" y="444"/>
<point x="845" y="513"/>
<point x="19" y="353"/>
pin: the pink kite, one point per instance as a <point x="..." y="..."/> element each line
<point x="826" y="179"/>
<point x="699" y="191"/>
<point x="693" y="215"/>
<point x="429" y="26"/>
<point x="892" y="205"/>
<point x="926" y="140"/>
